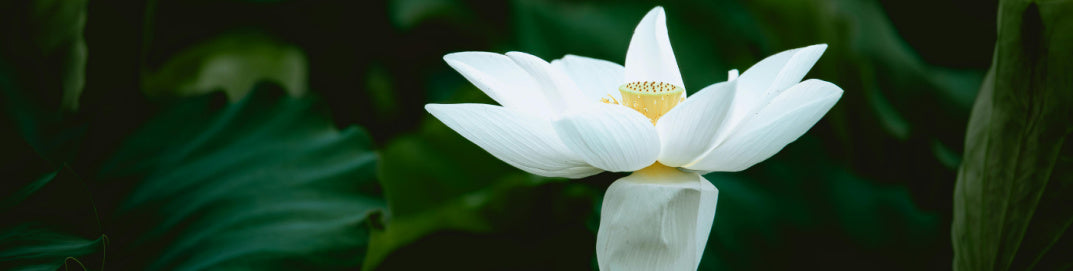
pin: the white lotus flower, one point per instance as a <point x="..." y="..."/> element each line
<point x="578" y="116"/>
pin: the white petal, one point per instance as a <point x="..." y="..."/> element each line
<point x="732" y="74"/>
<point x="502" y="80"/>
<point x="688" y="130"/>
<point x="610" y="137"/>
<point x="650" y="57"/>
<point x="654" y="223"/>
<point x="520" y="140"/>
<point x="596" y="78"/>
<point x="786" y="118"/>
<point x="709" y="198"/>
<point x="769" y="77"/>
<point x="560" y="92"/>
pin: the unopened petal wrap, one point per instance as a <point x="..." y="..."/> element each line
<point x="655" y="222"/>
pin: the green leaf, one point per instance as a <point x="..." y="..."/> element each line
<point x="266" y="183"/>
<point x="42" y="66"/>
<point x="49" y="218"/>
<point x="232" y="62"/>
<point x="1012" y="200"/>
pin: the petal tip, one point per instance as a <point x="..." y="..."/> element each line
<point x="434" y="108"/>
<point x="832" y="87"/>
<point x="450" y="56"/>
<point x="819" y="48"/>
<point x="655" y="16"/>
<point x="456" y="55"/>
<point x="461" y="57"/>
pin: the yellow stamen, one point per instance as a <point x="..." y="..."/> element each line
<point x="612" y="101"/>
<point x="653" y="99"/>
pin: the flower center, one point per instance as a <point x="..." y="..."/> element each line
<point x="653" y="99"/>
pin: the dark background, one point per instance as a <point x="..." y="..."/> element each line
<point x="291" y="134"/>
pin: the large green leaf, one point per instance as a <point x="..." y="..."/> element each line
<point x="1015" y="185"/>
<point x="265" y="183"/>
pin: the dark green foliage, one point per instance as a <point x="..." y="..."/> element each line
<point x="49" y="221"/>
<point x="269" y="182"/>
<point x="265" y="183"/>
<point x="805" y="209"/>
<point x="1012" y="205"/>
<point x="48" y="214"/>
<point x="49" y="218"/>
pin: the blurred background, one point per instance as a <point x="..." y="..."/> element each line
<point x="149" y="135"/>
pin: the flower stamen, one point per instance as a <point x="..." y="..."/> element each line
<point x="611" y="101"/>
